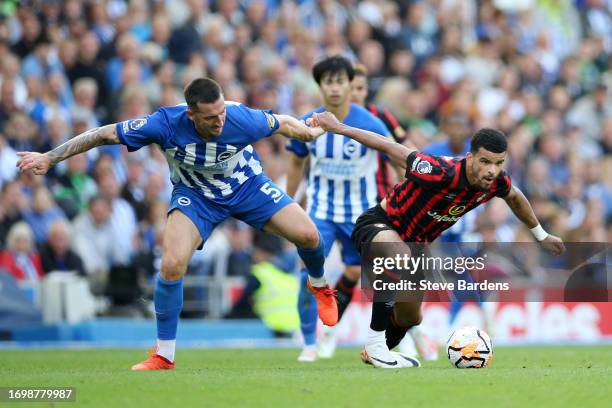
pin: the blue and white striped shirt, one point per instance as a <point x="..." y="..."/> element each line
<point x="342" y="175"/>
<point x="216" y="168"/>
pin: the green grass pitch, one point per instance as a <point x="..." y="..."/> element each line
<point x="518" y="377"/>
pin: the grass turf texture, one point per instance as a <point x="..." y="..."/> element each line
<point x="534" y="376"/>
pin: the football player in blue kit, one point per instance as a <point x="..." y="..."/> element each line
<point x="216" y="174"/>
<point x="341" y="185"/>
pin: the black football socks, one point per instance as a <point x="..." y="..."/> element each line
<point x="345" y="288"/>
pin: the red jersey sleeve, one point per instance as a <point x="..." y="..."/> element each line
<point x="428" y="170"/>
<point x="503" y="185"/>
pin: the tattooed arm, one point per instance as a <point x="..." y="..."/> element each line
<point x="40" y="163"/>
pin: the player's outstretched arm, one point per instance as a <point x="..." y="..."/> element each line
<point x="520" y="206"/>
<point x="297" y="129"/>
<point x="397" y="153"/>
<point x="40" y="163"/>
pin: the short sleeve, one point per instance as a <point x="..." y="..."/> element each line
<point x="296" y="147"/>
<point x="504" y="185"/>
<point x="380" y="128"/>
<point x="260" y="123"/>
<point x="136" y="133"/>
<point x="300" y="149"/>
<point x="428" y="170"/>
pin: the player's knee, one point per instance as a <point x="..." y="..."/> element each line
<point x="409" y="319"/>
<point x="308" y="238"/>
<point x="172" y="268"/>
<point x="353" y="272"/>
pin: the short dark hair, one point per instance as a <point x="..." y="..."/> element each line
<point x="202" y="90"/>
<point x="332" y="65"/>
<point x="489" y="139"/>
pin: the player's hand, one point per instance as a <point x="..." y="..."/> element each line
<point x="326" y="121"/>
<point x="39" y="163"/>
<point x="553" y="244"/>
<point x="310" y="132"/>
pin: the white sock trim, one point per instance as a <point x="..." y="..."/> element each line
<point x="317" y="282"/>
<point x="376" y="336"/>
<point x="166" y="349"/>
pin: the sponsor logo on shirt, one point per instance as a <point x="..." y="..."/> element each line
<point x="224" y="155"/>
<point x="442" y="218"/>
<point x="456" y="209"/>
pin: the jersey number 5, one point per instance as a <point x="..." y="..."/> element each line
<point x="274" y="193"/>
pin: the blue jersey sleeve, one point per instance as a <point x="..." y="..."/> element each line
<point x="260" y="123"/>
<point x="298" y="148"/>
<point x="379" y="127"/>
<point x="136" y="133"/>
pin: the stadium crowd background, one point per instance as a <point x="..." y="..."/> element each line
<point x="540" y="70"/>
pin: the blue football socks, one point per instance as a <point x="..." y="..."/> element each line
<point x="307" y="309"/>
<point x="313" y="259"/>
<point x="168" y="306"/>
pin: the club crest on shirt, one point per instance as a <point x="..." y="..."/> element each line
<point x="424" y="167"/>
<point x="137" y="123"/>
<point x="184" y="201"/>
<point x="350" y="148"/>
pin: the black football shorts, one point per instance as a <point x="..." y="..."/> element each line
<point x="368" y="225"/>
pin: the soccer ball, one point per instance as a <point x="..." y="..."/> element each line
<point x="469" y="347"/>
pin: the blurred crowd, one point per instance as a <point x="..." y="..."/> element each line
<point x="540" y="70"/>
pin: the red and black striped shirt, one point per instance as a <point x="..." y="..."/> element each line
<point x="384" y="176"/>
<point x="435" y="194"/>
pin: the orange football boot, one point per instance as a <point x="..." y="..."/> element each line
<point x="326" y="303"/>
<point x="154" y="362"/>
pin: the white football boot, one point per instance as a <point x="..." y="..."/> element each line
<point x="309" y="354"/>
<point x="328" y="342"/>
<point x="405" y="360"/>
<point x="378" y="355"/>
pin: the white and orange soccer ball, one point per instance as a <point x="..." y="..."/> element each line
<point x="469" y="347"/>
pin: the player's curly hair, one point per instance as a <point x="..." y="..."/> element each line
<point x="489" y="139"/>
<point x="202" y="90"/>
<point x="332" y="65"/>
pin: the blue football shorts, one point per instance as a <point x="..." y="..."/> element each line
<point x="255" y="202"/>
